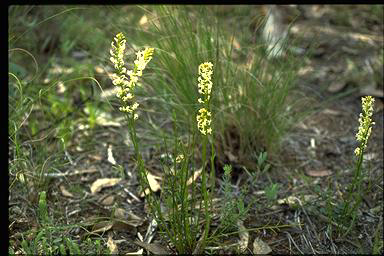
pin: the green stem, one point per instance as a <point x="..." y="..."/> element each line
<point x="205" y="192"/>
<point x="356" y="185"/>
<point x="143" y="179"/>
<point x="212" y="175"/>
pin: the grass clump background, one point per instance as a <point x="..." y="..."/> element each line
<point x="257" y="88"/>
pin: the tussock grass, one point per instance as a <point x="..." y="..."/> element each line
<point x="255" y="101"/>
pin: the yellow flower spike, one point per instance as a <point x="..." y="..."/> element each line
<point x="120" y="78"/>
<point x="204" y="87"/>
<point x="205" y="80"/>
<point x="143" y="57"/>
<point x="204" y="121"/>
<point x="365" y="124"/>
<point x="117" y="52"/>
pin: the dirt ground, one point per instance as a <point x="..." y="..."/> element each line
<point x="317" y="156"/>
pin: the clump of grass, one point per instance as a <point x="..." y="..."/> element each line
<point x="254" y="103"/>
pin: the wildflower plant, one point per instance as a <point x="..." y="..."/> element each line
<point x="126" y="91"/>
<point x="204" y="120"/>
<point x="362" y="136"/>
<point x="126" y="94"/>
<point x="178" y="222"/>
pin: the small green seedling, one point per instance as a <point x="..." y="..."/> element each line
<point x="271" y="192"/>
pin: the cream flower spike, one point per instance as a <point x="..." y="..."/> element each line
<point x="205" y="87"/>
<point x="120" y="78"/>
<point x="365" y="124"/>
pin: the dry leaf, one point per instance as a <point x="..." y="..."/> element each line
<point x="379" y="106"/>
<point x="65" y="192"/>
<point x="376" y="210"/>
<point x="370" y="156"/>
<point x="305" y="70"/>
<point x="153" y="184"/>
<point x="111" y="159"/>
<point x="151" y="231"/>
<point x="333" y="112"/>
<point x="261" y="247"/>
<point x="125" y="226"/>
<point x="312" y="143"/>
<point x="134" y="220"/>
<point x="372" y="91"/>
<point x="99" y="69"/>
<point x="115" y="224"/>
<point x="143" y="20"/>
<point x="318" y="173"/>
<point x="152" y="179"/>
<point x="199" y="243"/>
<point x="105" y="118"/>
<point x="139" y="252"/>
<point x="103" y="183"/>
<point x="112" y="246"/>
<point x="140" y="236"/>
<point x="244" y="237"/>
<point x="108" y="200"/>
<point x="61" y="87"/>
<point x="231" y="157"/>
<point x="102" y="227"/>
<point x="293" y="201"/>
<point x="153" y="248"/>
<point x="195" y="176"/>
<point x="119" y="213"/>
<point x="336" y="86"/>
<point x="128" y="217"/>
<point x="350" y="50"/>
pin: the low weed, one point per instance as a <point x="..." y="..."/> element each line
<point x="49" y="239"/>
<point x="233" y="209"/>
<point x="271" y="192"/>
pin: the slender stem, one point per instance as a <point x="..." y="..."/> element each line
<point x="155" y="208"/>
<point x="212" y="175"/>
<point x="356" y="184"/>
<point x="205" y="192"/>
